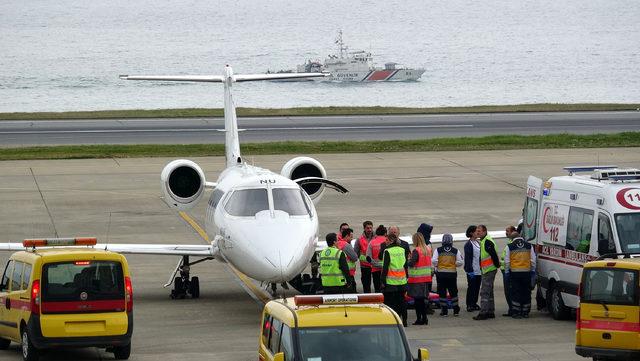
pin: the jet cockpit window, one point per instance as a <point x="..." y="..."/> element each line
<point x="289" y="200"/>
<point x="247" y="202"/>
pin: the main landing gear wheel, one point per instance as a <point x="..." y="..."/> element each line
<point x="194" y="287"/>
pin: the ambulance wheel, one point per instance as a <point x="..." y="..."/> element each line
<point x="122" y="352"/>
<point x="556" y="306"/>
<point x="4" y="343"/>
<point x="29" y="351"/>
<point x="194" y="287"/>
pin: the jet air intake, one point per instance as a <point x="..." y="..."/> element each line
<point x="182" y="183"/>
<point x="305" y="167"/>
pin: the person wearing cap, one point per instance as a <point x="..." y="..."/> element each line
<point x="334" y="270"/>
<point x="344" y="244"/>
<point x="393" y="278"/>
<point x="446" y="259"/>
<point x="519" y="262"/>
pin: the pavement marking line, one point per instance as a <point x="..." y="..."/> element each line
<point x="247" y="284"/>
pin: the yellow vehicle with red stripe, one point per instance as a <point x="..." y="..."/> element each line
<point x="608" y="319"/>
<point x="346" y="327"/>
<point x="62" y="292"/>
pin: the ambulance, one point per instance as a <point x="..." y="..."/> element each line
<point x="573" y="219"/>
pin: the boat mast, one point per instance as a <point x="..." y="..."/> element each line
<point x="340" y="43"/>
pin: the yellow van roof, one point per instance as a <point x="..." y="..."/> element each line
<point x="332" y="315"/>
<point x="632" y="263"/>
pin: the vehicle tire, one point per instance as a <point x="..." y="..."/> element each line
<point x="4" y="343"/>
<point x="555" y="304"/>
<point x="29" y="351"/>
<point x="194" y="287"/>
<point x="122" y="352"/>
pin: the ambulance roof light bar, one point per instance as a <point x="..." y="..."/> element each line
<point x="624" y="177"/>
<point x="344" y="299"/>
<point x="59" y="242"/>
<point x="587" y="168"/>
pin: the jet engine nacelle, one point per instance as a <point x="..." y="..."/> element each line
<point x="304" y="167"/>
<point x="182" y="183"/>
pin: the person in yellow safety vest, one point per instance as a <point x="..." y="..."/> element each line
<point x="510" y="233"/>
<point x="420" y="274"/>
<point x="334" y="270"/>
<point x="520" y="263"/>
<point x="489" y="264"/>
<point x="393" y="278"/>
<point x="446" y="259"/>
<point x="361" y="249"/>
<point x="344" y="244"/>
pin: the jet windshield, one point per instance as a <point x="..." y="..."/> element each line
<point x="247" y="202"/>
<point x="628" y="225"/>
<point x="290" y="200"/>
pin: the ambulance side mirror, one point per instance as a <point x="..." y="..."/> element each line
<point x="423" y="354"/>
<point x="279" y="356"/>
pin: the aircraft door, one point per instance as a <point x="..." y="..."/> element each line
<point x="531" y="210"/>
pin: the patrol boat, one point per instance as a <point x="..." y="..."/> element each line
<point x="357" y="66"/>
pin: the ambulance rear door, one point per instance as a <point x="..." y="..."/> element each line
<point x="530" y="216"/>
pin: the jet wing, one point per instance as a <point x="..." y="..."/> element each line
<point x="205" y="250"/>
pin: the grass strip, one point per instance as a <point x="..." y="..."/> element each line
<point x="311" y="111"/>
<point x="495" y="142"/>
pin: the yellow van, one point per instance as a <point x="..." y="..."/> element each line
<point x="66" y="297"/>
<point x="333" y="328"/>
<point x="608" y="319"/>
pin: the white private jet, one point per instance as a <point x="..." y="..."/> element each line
<point x="263" y="223"/>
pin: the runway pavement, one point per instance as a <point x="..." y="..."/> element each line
<point x="338" y="128"/>
<point x="118" y="200"/>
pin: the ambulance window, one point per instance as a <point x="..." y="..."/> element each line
<point x="5" y="276"/>
<point x="266" y="329"/>
<point x="274" y="341"/>
<point x="26" y="277"/>
<point x="530" y="218"/>
<point x="605" y="236"/>
<point x="286" y="343"/>
<point x="628" y="226"/>
<point x="579" y="229"/>
<point x="16" y="277"/>
<point x="247" y="202"/>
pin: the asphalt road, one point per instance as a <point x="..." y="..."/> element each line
<point x="340" y="128"/>
<point x="118" y="200"/>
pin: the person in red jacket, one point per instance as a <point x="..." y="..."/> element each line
<point x="373" y="255"/>
<point x="361" y="250"/>
<point x="344" y="244"/>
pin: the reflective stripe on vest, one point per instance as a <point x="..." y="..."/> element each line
<point x="330" y="267"/>
<point x="376" y="243"/>
<point x="486" y="263"/>
<point x="447" y="260"/>
<point x="396" y="274"/>
<point x="520" y="258"/>
<point x="421" y="271"/>
<point x="350" y="263"/>
<point x="364" y="243"/>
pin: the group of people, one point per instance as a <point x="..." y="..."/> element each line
<point x="397" y="269"/>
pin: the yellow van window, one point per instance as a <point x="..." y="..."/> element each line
<point x="610" y="286"/>
<point x="266" y="329"/>
<point x="26" y="277"/>
<point x="4" y="286"/>
<point x="274" y="341"/>
<point x="16" y="277"/>
<point x="286" y="343"/>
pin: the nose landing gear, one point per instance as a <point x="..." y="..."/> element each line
<point x="184" y="284"/>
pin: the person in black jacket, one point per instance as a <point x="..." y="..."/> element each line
<point x="488" y="270"/>
<point x="472" y="268"/>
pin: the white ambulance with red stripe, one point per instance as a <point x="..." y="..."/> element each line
<point x="574" y="219"/>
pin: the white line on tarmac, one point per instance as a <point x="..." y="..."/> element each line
<point x="182" y="130"/>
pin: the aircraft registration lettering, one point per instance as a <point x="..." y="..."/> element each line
<point x="266" y="181"/>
